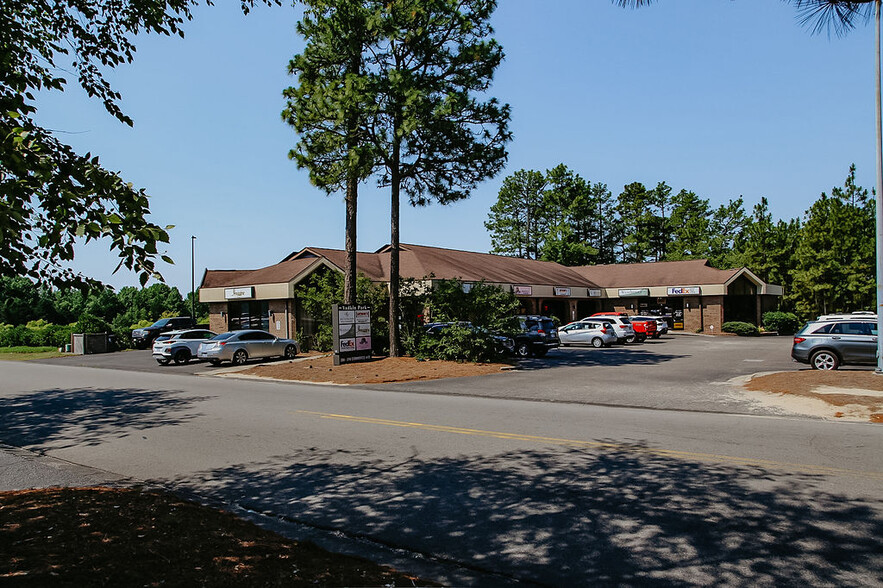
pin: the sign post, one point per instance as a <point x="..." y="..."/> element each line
<point x="352" y="332"/>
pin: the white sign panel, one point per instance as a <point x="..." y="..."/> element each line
<point x="234" y="293"/>
<point x="634" y="292"/>
<point x="562" y="291"/>
<point x="522" y="290"/>
<point x="683" y="290"/>
<point x="594" y="293"/>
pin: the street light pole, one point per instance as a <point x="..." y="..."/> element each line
<point x="192" y="279"/>
<point x="879" y="194"/>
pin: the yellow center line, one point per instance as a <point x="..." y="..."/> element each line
<point x="597" y="445"/>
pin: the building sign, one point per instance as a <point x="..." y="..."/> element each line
<point x="594" y="293"/>
<point x="352" y="332"/>
<point x="626" y="292"/>
<point x="562" y="291"/>
<point x="234" y="293"/>
<point x="683" y="290"/>
<point x="522" y="290"/>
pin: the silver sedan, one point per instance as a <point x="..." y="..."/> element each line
<point x="238" y="347"/>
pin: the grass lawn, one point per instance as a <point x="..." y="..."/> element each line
<point x="23" y="353"/>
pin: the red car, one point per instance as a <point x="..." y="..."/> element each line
<point x="643" y="328"/>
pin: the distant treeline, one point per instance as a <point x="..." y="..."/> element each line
<point x="825" y="260"/>
<point x="31" y="314"/>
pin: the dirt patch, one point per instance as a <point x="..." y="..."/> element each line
<point x="377" y="371"/>
<point x="841" y="394"/>
<point x="126" y="537"/>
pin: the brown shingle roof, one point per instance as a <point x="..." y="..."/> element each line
<point x="274" y="274"/>
<point x="418" y="261"/>
<point x="661" y="273"/>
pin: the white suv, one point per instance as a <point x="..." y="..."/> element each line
<point x="180" y="346"/>
<point x="625" y="332"/>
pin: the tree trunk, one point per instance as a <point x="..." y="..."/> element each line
<point x="395" y="180"/>
<point x="349" y="281"/>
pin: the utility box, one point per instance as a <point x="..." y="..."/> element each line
<point x="88" y="343"/>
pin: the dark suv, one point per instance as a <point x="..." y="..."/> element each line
<point x="142" y="338"/>
<point x="826" y="345"/>
<point x="537" y="335"/>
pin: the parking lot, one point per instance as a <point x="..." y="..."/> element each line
<point x="683" y="372"/>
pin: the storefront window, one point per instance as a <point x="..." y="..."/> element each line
<point x="249" y="314"/>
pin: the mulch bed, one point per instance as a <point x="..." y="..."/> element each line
<point x="128" y="537"/>
<point x="380" y="370"/>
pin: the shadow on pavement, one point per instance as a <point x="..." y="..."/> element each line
<point x="86" y="416"/>
<point x="622" y="517"/>
<point x="588" y="356"/>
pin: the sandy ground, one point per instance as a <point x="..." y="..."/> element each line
<point x="377" y="371"/>
<point x="851" y="395"/>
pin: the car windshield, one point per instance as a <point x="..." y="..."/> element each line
<point x="222" y="336"/>
<point x="625" y="321"/>
<point x="161" y="323"/>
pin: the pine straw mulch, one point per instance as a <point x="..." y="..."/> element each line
<point x="380" y="370"/>
<point x="861" y="388"/>
<point x="87" y="537"/>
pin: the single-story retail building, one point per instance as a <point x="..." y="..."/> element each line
<point x="697" y="296"/>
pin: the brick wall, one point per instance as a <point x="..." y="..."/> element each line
<point x="216" y="322"/>
<point x="278" y="315"/>
<point x="709" y="315"/>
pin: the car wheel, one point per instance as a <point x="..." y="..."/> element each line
<point x="630" y="339"/>
<point x="182" y="356"/>
<point x="824" y="360"/>
<point x="522" y="350"/>
<point x="240" y="357"/>
<point x="290" y="351"/>
<point x="597" y="342"/>
<point x="215" y="361"/>
<point x="162" y="361"/>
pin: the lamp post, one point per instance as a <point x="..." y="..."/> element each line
<point x="192" y="279"/>
<point x="879" y="189"/>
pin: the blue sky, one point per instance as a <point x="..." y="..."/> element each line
<point x="722" y="97"/>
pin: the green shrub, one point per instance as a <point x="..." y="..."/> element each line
<point x="457" y="343"/>
<point x="786" y="323"/>
<point x="740" y="328"/>
<point x="90" y="323"/>
<point x="11" y="336"/>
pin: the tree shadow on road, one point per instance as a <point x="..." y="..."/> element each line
<point x="586" y="356"/>
<point x="623" y="516"/>
<point x="87" y="416"/>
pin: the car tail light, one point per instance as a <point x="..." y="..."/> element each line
<point x="799" y="340"/>
<point x="604" y="330"/>
<point x="541" y="332"/>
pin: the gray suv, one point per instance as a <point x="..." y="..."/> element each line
<point x="826" y="345"/>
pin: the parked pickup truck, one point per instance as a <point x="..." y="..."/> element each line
<point x="144" y="337"/>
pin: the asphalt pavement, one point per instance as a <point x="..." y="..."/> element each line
<point x="481" y="490"/>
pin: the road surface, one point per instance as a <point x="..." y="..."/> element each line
<point x="482" y="491"/>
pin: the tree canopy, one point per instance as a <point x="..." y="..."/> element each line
<point x="53" y="196"/>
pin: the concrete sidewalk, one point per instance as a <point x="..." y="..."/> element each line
<point x="21" y="469"/>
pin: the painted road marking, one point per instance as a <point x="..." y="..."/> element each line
<point x="598" y="445"/>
